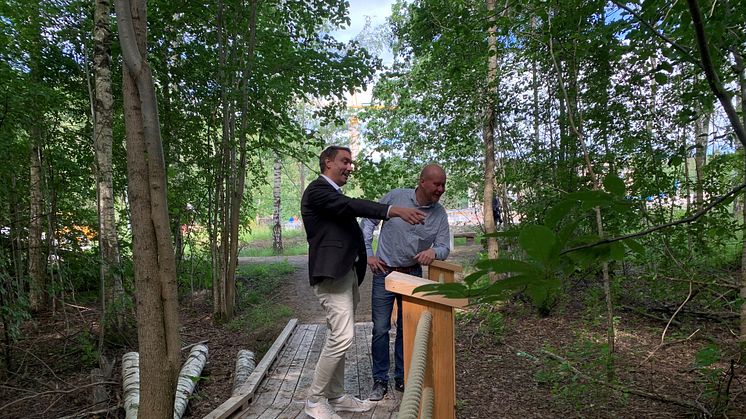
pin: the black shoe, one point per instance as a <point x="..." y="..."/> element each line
<point x="380" y="388"/>
<point x="399" y="384"/>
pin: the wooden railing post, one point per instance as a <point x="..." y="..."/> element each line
<point x="440" y="271"/>
<point x="441" y="358"/>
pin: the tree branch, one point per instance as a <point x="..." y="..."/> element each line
<point x="127" y="38"/>
<point x="692" y="405"/>
<point x="712" y="78"/>
<point x="668" y="40"/>
<point x="689" y="219"/>
<point x="46" y="393"/>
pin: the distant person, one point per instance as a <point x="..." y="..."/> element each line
<point x="496" y="211"/>
<point x="402" y="248"/>
<point x="336" y="267"/>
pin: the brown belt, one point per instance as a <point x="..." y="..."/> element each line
<point x="402" y="269"/>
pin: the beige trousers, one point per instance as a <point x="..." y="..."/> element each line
<point x="339" y="298"/>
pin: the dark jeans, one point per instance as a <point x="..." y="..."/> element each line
<point x="382" y="303"/>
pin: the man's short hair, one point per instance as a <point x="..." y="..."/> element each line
<point x="330" y="153"/>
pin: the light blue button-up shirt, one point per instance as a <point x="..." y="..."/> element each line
<point x="399" y="241"/>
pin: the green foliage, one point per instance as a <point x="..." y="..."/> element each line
<point x="566" y="386"/>
<point x="713" y="378"/>
<point x="87" y="346"/>
<point x="257" y="281"/>
<point x="299" y="249"/>
<point x="493" y="323"/>
<point x="257" y="285"/>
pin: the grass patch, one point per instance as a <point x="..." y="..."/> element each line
<point x="262" y="233"/>
<point x="294" y="250"/>
<point x="257" y="286"/>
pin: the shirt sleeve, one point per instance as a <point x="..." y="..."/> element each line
<point x="368" y="226"/>
<point x="442" y="238"/>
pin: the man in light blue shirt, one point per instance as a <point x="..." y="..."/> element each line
<point x="403" y="248"/>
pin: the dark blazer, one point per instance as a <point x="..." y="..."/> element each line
<point x="334" y="236"/>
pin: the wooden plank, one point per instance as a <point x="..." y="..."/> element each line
<point x="445" y="272"/>
<point x="246" y="392"/>
<point x="364" y="372"/>
<point x="389" y="405"/>
<point x="448" y="266"/>
<point x="405" y="284"/>
<point x="441" y="363"/>
<point x="295" y="409"/>
<point x="288" y="389"/>
<point x="351" y="384"/>
<point x="270" y="393"/>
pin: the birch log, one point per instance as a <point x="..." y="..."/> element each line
<point x="245" y="364"/>
<point x="191" y="370"/>
<point x="131" y="383"/>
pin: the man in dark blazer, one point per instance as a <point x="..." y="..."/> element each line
<point x="336" y="266"/>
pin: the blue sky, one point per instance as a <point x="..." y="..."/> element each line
<point x="378" y="10"/>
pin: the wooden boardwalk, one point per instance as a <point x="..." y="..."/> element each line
<point x="282" y="393"/>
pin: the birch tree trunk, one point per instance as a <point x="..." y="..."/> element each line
<point x="276" y="207"/>
<point x="153" y="254"/>
<point x="131" y="384"/>
<point x="488" y="133"/>
<point x="112" y="290"/>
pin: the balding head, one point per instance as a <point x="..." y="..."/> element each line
<point x="432" y="184"/>
<point x="432" y="170"/>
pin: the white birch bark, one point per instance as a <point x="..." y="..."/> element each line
<point x="276" y="207"/>
<point x="131" y="384"/>
<point x="191" y="370"/>
<point x="245" y="365"/>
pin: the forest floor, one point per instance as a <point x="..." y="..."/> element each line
<point x="505" y="367"/>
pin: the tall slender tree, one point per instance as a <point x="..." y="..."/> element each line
<point x="277" y="206"/>
<point x="112" y="290"/>
<point x="153" y="253"/>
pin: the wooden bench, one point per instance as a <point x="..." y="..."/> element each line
<point x="468" y="235"/>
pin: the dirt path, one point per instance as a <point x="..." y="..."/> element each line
<point x="298" y="295"/>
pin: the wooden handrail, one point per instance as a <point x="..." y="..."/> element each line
<point x="440" y="373"/>
<point x="441" y="271"/>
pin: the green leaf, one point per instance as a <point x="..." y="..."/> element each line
<point x="616" y="251"/>
<point x="634" y="246"/>
<point x="675" y="161"/>
<point x="661" y="78"/>
<point x="513" y="283"/>
<point x="472" y="277"/>
<point x="665" y="66"/>
<point x="592" y="197"/>
<point x="508" y="233"/>
<point x="537" y="241"/>
<point x="558" y="212"/>
<point x="449" y="290"/>
<point x="614" y="184"/>
<point x="507" y="265"/>
<point x="707" y="356"/>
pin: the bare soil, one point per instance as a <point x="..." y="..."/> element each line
<point x="507" y="374"/>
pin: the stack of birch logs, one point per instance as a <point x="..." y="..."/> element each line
<point x="191" y="370"/>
